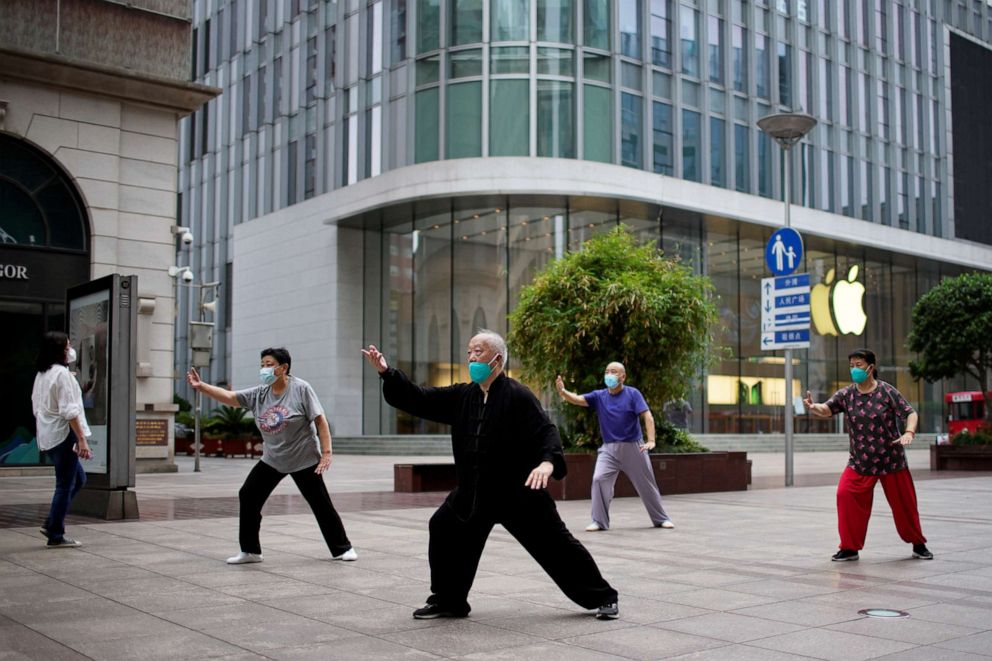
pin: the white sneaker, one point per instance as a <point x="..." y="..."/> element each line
<point x="347" y="556"/>
<point x="666" y="524"/>
<point x="243" y="558"/>
<point x="593" y="527"/>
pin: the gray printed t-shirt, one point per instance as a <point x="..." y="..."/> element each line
<point x="286" y="421"/>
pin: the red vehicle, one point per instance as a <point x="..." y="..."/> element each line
<point x="965" y="410"/>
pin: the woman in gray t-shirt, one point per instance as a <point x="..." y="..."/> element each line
<point x="291" y="420"/>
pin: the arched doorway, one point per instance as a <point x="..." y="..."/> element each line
<point x="44" y="249"/>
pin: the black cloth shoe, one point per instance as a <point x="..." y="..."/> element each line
<point x="608" y="612"/>
<point x="922" y="552"/>
<point x="63" y="543"/>
<point x="844" y="555"/>
<point x="434" y="611"/>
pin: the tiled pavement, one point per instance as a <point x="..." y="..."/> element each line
<point x="742" y="576"/>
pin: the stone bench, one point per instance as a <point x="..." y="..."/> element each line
<point x="410" y="478"/>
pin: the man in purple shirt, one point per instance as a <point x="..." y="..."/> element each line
<point x="621" y="409"/>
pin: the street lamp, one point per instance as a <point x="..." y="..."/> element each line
<point x="787" y="129"/>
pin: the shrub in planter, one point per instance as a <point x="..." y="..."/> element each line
<point x="671" y="439"/>
<point x="982" y="437"/>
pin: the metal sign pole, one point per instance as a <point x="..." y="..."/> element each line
<point x="789" y="448"/>
<point x="196" y="433"/>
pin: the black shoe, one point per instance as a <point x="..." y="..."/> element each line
<point x="63" y="543"/>
<point x="434" y="611"/>
<point x="845" y="555"/>
<point x="922" y="552"/>
<point x="608" y="612"/>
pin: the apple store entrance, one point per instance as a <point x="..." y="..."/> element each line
<point x="438" y="269"/>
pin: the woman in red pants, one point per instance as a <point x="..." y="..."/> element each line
<point x="873" y="408"/>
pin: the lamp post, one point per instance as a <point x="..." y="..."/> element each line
<point x="787" y="129"/>
<point x="201" y="340"/>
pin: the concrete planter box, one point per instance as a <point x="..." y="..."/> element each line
<point x="675" y="473"/>
<point x="961" y="457"/>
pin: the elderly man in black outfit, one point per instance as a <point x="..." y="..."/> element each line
<point x="506" y="449"/>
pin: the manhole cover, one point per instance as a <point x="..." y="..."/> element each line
<point x="882" y="612"/>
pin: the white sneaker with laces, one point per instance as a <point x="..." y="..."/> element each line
<point x="243" y="558"/>
<point x="348" y="556"/>
<point x="593" y="527"/>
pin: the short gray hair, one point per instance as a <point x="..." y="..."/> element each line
<point x="495" y="342"/>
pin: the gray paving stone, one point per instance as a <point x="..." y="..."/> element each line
<point x="832" y="645"/>
<point x="644" y="642"/>
<point x="909" y="629"/>
<point x="459" y="638"/>
<point x="729" y="627"/>
<point x="979" y="643"/>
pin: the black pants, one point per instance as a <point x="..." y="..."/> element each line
<point x="456" y="546"/>
<point x="256" y="490"/>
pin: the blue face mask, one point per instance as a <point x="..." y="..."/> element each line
<point x="611" y="381"/>
<point x="267" y="375"/>
<point x="479" y="372"/>
<point x="859" y="375"/>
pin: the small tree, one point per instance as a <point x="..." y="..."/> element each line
<point x="952" y="332"/>
<point x="613" y="300"/>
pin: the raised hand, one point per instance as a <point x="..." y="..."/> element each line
<point x="560" y="384"/>
<point x="375" y="358"/>
<point x="193" y="378"/>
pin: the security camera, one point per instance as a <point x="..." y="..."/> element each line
<point x="187" y="276"/>
<point x="187" y="238"/>
<point x="184" y="234"/>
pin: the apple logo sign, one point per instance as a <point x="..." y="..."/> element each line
<point x="838" y="308"/>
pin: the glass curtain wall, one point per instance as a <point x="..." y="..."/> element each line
<point x="438" y="271"/>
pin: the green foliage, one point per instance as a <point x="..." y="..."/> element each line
<point x="952" y="332"/>
<point x="184" y="405"/>
<point x="231" y="422"/>
<point x="613" y="301"/>
<point x="982" y="437"/>
<point x="670" y="438"/>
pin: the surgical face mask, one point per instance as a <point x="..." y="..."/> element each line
<point x="611" y="381"/>
<point x="267" y="375"/>
<point x="70" y="356"/>
<point x="479" y="372"/>
<point x="859" y="375"/>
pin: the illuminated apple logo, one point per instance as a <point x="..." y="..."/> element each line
<point x="839" y="309"/>
<point x="820" y="306"/>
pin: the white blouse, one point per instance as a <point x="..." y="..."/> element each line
<point x="56" y="399"/>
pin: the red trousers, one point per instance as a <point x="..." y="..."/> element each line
<point x="854" y="498"/>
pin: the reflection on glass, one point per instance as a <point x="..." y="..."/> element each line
<point x="428" y="70"/>
<point x="761" y="65"/>
<point x="508" y="118"/>
<point x="555" y="119"/>
<point x="740" y="59"/>
<point x="630" y="28"/>
<point x="598" y="124"/>
<point x="537" y="234"/>
<point x="689" y="38"/>
<point x="464" y="120"/>
<point x="630" y="130"/>
<point x="428" y="25"/>
<point x="714" y="46"/>
<point x="465" y="63"/>
<point x="509" y="59"/>
<point x="465" y="18"/>
<point x="764" y="165"/>
<point x="589" y="217"/>
<point x="742" y="157"/>
<point x="554" y="21"/>
<point x="718" y="175"/>
<point x="427" y="125"/>
<point x="597" y="67"/>
<point x="661" y="33"/>
<point x="510" y="20"/>
<point x="691" y="146"/>
<point x="596" y="24"/>
<point x="664" y="139"/>
<point x="556" y="61"/>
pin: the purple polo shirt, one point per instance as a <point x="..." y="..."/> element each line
<point x="619" y="414"/>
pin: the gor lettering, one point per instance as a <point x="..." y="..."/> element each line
<point x="13" y="272"/>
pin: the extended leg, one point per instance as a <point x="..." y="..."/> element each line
<point x="855" y="493"/>
<point x="254" y="492"/>
<point x="315" y="492"/>
<point x="604" y="477"/>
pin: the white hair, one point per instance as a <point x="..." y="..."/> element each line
<point x="495" y="342"/>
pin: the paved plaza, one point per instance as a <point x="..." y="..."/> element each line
<point x="743" y="575"/>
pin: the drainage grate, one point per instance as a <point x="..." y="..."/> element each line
<point x="882" y="612"/>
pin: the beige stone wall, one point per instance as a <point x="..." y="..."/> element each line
<point x="123" y="159"/>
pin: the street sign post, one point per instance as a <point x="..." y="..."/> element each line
<point x="784" y="252"/>
<point x="785" y="312"/>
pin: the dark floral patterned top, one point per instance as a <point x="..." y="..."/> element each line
<point x="872" y="426"/>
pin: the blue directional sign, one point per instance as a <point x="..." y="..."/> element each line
<point x="784" y="252"/>
<point x="785" y="312"/>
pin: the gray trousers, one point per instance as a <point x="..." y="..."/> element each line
<point x="627" y="457"/>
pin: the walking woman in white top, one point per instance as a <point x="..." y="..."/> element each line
<point x="57" y="402"/>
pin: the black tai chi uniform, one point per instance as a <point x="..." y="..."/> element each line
<point x="496" y="444"/>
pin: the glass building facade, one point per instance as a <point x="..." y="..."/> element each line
<point x="320" y="96"/>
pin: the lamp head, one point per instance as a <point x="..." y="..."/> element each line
<point x="787" y="128"/>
